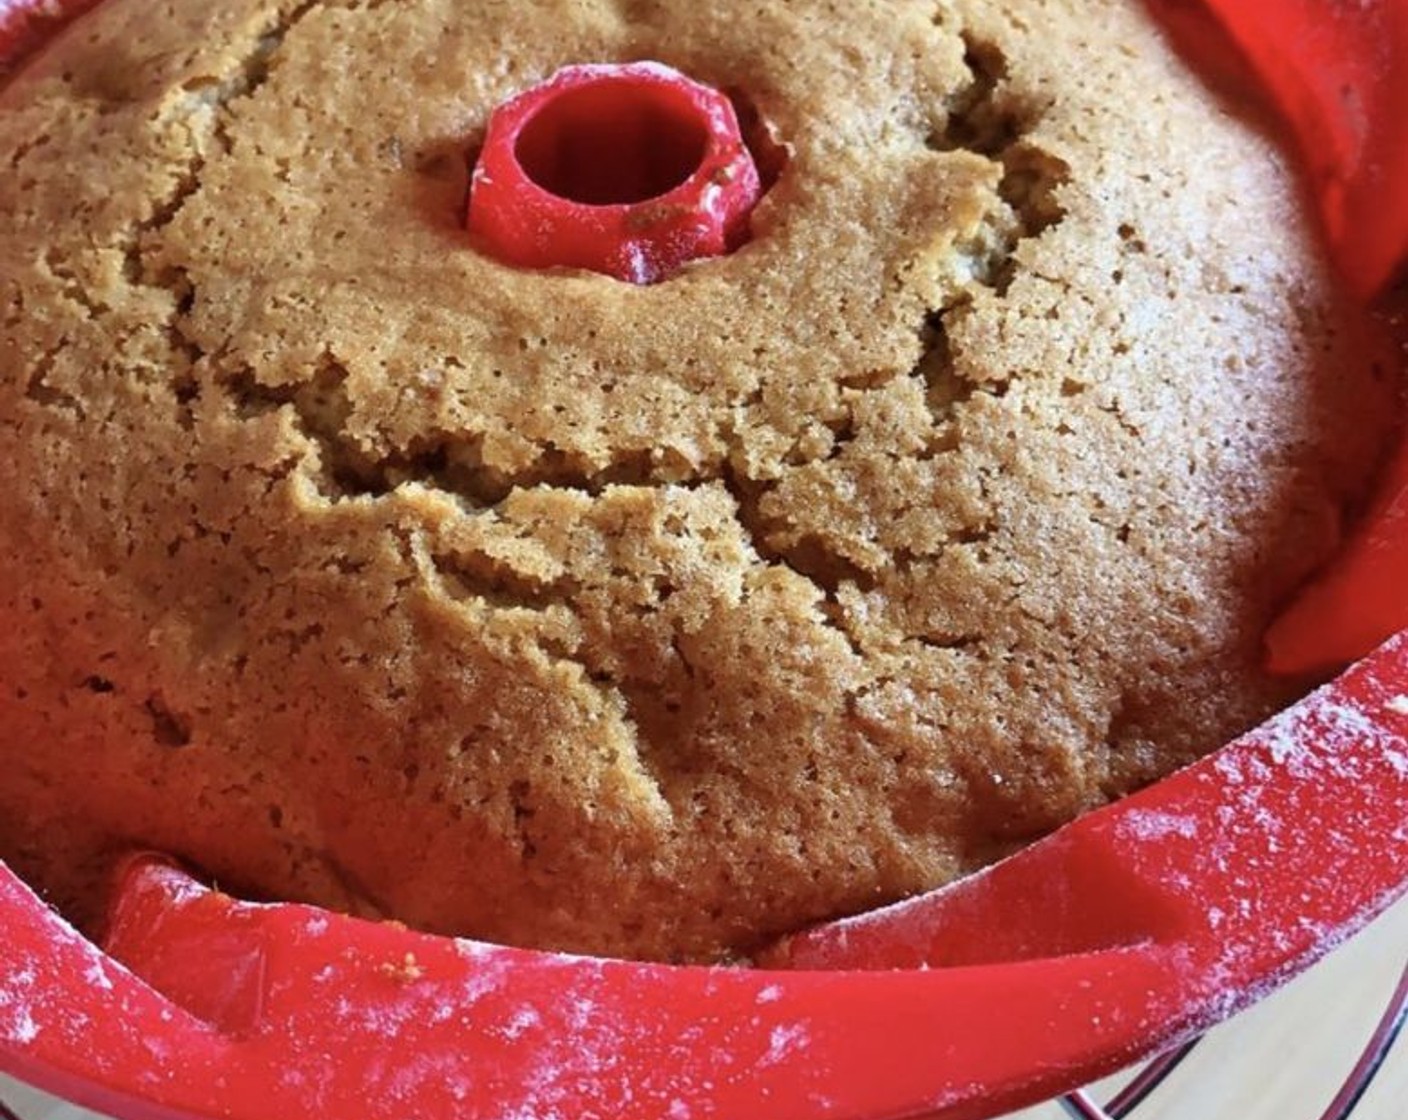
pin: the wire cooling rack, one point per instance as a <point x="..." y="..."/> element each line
<point x="1330" y="1046"/>
<point x="1083" y="1105"/>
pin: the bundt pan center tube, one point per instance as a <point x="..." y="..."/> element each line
<point x="1136" y="926"/>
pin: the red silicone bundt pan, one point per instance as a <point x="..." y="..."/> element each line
<point x="1133" y="928"/>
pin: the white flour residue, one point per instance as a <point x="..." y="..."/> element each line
<point x="411" y="1077"/>
<point x="783" y="1041"/>
<point x="580" y="1012"/>
<point x="476" y="950"/>
<point x="1229" y="768"/>
<point x="1155" y="824"/>
<point x="17" y="1023"/>
<point x="1398" y="760"/>
<point x="571" y="1046"/>
<point x="96" y="976"/>
<point x="946" y="1098"/>
<point x="157" y="1047"/>
<point x="1324" y="734"/>
<point x="21" y="1029"/>
<point x="521" y="1020"/>
<point x="487" y="981"/>
<point x="1269" y="825"/>
<point x="386" y="1019"/>
<point x="531" y="1111"/>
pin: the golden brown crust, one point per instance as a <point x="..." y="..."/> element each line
<point x="357" y="568"/>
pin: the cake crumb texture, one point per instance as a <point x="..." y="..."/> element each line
<point x="356" y="568"/>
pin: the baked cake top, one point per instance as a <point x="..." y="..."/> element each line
<point x="356" y="567"/>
